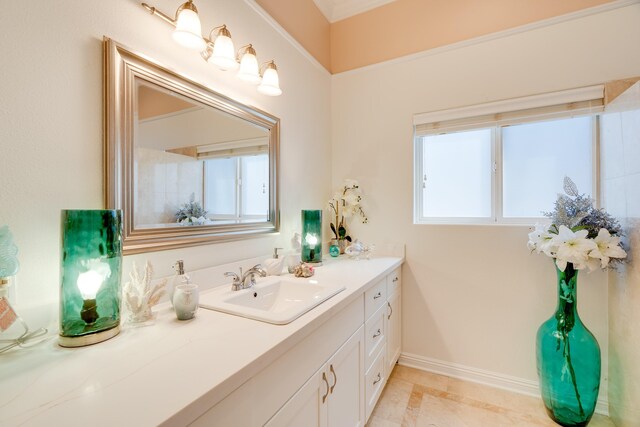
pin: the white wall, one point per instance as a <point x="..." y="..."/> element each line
<point x="473" y="295"/>
<point x="620" y="147"/>
<point x="51" y="112"/>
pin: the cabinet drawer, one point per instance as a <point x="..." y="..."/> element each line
<point x="375" y="298"/>
<point x="393" y="281"/>
<point x="375" y="335"/>
<point x="374" y="382"/>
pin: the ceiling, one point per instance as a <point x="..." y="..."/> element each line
<point x="335" y="10"/>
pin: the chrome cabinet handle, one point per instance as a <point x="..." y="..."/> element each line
<point x="378" y="295"/>
<point x="377" y="334"/>
<point x="324" y="378"/>
<point x="395" y="279"/>
<point x="391" y="312"/>
<point x="335" y="378"/>
<point x="378" y="379"/>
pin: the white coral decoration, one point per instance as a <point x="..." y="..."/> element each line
<point x="140" y="295"/>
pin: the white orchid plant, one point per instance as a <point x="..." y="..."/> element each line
<point x="345" y="203"/>
<point x="579" y="234"/>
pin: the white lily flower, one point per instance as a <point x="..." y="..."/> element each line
<point x="607" y="247"/>
<point x="540" y="240"/>
<point x="573" y="247"/>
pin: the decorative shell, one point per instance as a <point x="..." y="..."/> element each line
<point x="303" y="270"/>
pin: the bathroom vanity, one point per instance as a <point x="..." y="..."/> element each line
<point x="327" y="367"/>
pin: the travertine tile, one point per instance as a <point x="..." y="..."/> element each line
<point x="413" y="398"/>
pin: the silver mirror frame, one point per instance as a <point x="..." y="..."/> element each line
<point x="121" y="68"/>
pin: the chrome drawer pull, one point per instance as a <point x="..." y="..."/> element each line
<point x="391" y="312"/>
<point x="378" y="379"/>
<point x="377" y="334"/>
<point x="378" y="295"/>
<point x="395" y="279"/>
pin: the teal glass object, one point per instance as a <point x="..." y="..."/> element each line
<point x="311" y="236"/>
<point x="568" y="359"/>
<point x="334" y="250"/>
<point x="90" y="276"/>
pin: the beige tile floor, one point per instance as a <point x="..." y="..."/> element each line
<point x="416" y="398"/>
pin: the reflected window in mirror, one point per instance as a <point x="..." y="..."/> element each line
<point x="237" y="188"/>
<point x="195" y="165"/>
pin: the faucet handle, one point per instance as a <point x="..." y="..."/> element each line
<point x="236" y="285"/>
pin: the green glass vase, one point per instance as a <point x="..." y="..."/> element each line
<point x="568" y="359"/>
<point x="90" y="276"/>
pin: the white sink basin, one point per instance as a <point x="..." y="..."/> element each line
<point x="275" y="300"/>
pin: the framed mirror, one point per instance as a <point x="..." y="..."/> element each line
<point x="187" y="165"/>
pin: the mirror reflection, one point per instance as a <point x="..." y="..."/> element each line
<point x="194" y="164"/>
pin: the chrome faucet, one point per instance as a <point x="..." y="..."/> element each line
<point x="240" y="281"/>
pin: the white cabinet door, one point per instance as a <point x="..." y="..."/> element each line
<point x="308" y="407"/>
<point x="393" y="328"/>
<point x="333" y="396"/>
<point x="346" y="392"/>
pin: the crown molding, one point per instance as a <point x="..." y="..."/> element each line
<point x="337" y="11"/>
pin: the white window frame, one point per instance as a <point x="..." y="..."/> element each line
<point x="237" y="216"/>
<point x="538" y="108"/>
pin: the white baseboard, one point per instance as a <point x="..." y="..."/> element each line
<point x="492" y="379"/>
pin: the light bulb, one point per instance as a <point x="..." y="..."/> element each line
<point x="223" y="51"/>
<point x="311" y="239"/>
<point x="270" y="82"/>
<point x="249" y="68"/>
<point x="89" y="283"/>
<point x="188" y="32"/>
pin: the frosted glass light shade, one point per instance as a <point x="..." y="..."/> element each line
<point x="224" y="53"/>
<point x="249" y="69"/>
<point x="188" y="32"/>
<point x="270" y="82"/>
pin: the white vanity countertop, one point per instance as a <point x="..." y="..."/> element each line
<point x="168" y="373"/>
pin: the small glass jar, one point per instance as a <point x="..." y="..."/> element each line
<point x="334" y="248"/>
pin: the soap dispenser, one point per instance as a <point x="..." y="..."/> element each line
<point x="273" y="265"/>
<point x="180" y="278"/>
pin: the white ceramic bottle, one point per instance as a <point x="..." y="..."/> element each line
<point x="180" y="278"/>
<point x="273" y="265"/>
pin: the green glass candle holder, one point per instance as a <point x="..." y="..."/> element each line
<point x="90" y="276"/>
<point x="312" y="236"/>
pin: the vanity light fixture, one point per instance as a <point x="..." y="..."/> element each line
<point x="220" y="51"/>
<point x="270" y="84"/>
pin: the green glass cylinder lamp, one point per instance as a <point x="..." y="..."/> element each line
<point x="90" y="276"/>
<point x="312" y="236"/>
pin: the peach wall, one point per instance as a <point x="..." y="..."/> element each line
<point x="404" y="27"/>
<point x="304" y="21"/>
<point x="410" y="26"/>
